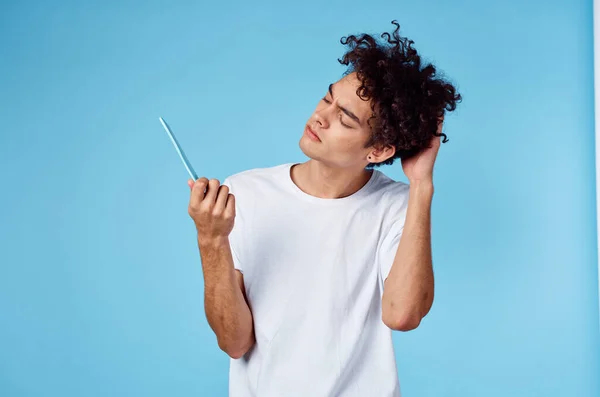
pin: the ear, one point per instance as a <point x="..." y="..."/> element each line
<point x="381" y="154"/>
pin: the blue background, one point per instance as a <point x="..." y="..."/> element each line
<point x="100" y="279"/>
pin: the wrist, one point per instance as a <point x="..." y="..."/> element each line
<point x="212" y="242"/>
<point x="423" y="187"/>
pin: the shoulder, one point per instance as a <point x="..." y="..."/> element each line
<point x="391" y="195"/>
<point x="387" y="188"/>
<point x="254" y="177"/>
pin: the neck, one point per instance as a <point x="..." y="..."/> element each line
<point x="323" y="181"/>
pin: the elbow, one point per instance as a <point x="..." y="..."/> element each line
<point x="400" y="317"/>
<point x="236" y="354"/>
<point x="235" y="350"/>
<point x="404" y="317"/>
<point x="401" y="322"/>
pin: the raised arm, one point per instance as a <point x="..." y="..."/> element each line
<point x="227" y="310"/>
<point x="409" y="288"/>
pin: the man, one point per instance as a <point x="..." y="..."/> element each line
<point x="309" y="267"/>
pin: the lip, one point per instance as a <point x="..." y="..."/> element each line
<point x="311" y="134"/>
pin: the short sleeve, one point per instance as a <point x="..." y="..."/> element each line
<point x="235" y="240"/>
<point x="389" y="247"/>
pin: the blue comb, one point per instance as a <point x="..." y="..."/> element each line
<point x="182" y="156"/>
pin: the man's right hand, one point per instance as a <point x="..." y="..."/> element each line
<point x="227" y="309"/>
<point x="213" y="210"/>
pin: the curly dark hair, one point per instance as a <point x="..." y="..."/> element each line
<point x="407" y="97"/>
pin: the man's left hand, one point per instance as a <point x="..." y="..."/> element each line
<point x="419" y="168"/>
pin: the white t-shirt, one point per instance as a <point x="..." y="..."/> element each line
<point x="313" y="272"/>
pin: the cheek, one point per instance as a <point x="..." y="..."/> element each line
<point x="346" y="140"/>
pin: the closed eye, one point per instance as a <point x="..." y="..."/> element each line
<point x="327" y="101"/>
<point x="345" y="125"/>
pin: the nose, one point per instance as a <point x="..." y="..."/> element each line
<point x="321" y="119"/>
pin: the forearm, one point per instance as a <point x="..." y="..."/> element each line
<point x="226" y="308"/>
<point x="409" y="287"/>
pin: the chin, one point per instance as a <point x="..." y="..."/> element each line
<point x="306" y="149"/>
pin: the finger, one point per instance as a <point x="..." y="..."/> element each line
<point x="436" y="145"/>
<point x="211" y="192"/>
<point x="190" y="183"/>
<point x="197" y="194"/>
<point x="440" y="124"/>
<point x="230" y="206"/>
<point x="434" y="142"/>
<point x="221" y="199"/>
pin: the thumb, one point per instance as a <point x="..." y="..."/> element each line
<point x="190" y="183"/>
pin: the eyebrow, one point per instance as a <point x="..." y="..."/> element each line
<point x="343" y="109"/>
